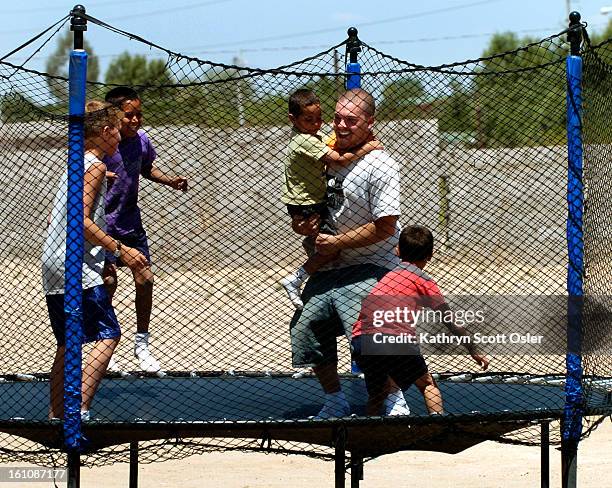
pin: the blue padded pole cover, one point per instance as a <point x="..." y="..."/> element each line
<point x="74" y="251"/>
<point x="572" y="425"/>
<point x="353" y="80"/>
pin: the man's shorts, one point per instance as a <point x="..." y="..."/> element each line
<point x="137" y="240"/>
<point x="332" y="302"/>
<point x="99" y="319"/>
<point x="404" y="369"/>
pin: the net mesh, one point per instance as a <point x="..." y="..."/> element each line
<point x="481" y="151"/>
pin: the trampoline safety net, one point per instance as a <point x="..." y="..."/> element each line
<point x="480" y="152"/>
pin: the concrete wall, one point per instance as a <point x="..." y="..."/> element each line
<point x="499" y="201"/>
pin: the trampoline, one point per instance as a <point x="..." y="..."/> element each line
<point x="278" y="408"/>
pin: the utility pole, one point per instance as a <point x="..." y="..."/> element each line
<point x="238" y="61"/>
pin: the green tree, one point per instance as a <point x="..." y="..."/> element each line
<point x="217" y="98"/>
<point x="598" y="37"/>
<point x="520" y="97"/>
<point x="57" y="65"/>
<point x="401" y="98"/>
<point x="457" y="112"/>
<point x="327" y="89"/>
<point x="135" y="70"/>
<point x="605" y="51"/>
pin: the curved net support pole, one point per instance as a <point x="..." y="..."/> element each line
<point x="74" y="241"/>
<point x="572" y="418"/>
<point x="353" y="68"/>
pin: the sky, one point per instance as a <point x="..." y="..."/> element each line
<point x="270" y="33"/>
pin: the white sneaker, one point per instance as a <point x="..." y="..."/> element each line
<point x="333" y="410"/>
<point x="301" y="372"/>
<point x="147" y="362"/>
<point x="292" y="285"/>
<point x="395" y="404"/>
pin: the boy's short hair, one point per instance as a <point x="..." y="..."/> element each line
<point x="415" y="243"/>
<point x="120" y="94"/>
<point x="300" y="99"/>
<point x="98" y="115"/>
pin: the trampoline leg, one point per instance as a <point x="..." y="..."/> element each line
<point x="356" y="470"/>
<point x="569" y="464"/>
<point x="545" y="456"/>
<point x="133" y="464"/>
<point x="74" y="469"/>
<point x="340" y="456"/>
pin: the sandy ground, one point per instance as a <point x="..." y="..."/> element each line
<point x="486" y="465"/>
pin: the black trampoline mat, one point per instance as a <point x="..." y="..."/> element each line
<point x="235" y="406"/>
<point x="236" y="398"/>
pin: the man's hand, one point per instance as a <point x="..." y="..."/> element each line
<point x="179" y="183"/>
<point x="482" y="361"/>
<point x="326" y="244"/>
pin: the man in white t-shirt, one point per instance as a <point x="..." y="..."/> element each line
<point x="364" y="204"/>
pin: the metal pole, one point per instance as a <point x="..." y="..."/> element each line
<point x="74" y="469"/>
<point x="545" y="455"/>
<point x="133" y="464"/>
<point x="74" y="235"/>
<point x="339" y="456"/>
<point x="356" y="470"/>
<point x="353" y="69"/>
<point x="572" y="415"/>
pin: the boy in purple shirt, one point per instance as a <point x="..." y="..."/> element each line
<point x="135" y="157"/>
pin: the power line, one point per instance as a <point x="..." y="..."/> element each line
<point x="139" y="16"/>
<point x="335" y="29"/>
<point x="373" y="43"/>
<point x="168" y="10"/>
<point x="189" y="51"/>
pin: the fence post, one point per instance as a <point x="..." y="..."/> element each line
<point x="572" y="415"/>
<point x="74" y="237"/>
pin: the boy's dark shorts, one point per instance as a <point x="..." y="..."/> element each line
<point x="99" y="319"/>
<point x="320" y="209"/>
<point x="404" y="369"/>
<point x="306" y="211"/>
<point x="137" y="240"/>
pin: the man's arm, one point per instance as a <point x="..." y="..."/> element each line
<point x="364" y="235"/>
<point x="158" y="176"/>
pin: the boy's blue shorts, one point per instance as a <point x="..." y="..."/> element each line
<point x="99" y="319"/>
<point x="137" y="241"/>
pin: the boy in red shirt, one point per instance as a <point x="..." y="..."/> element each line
<point x="380" y="346"/>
